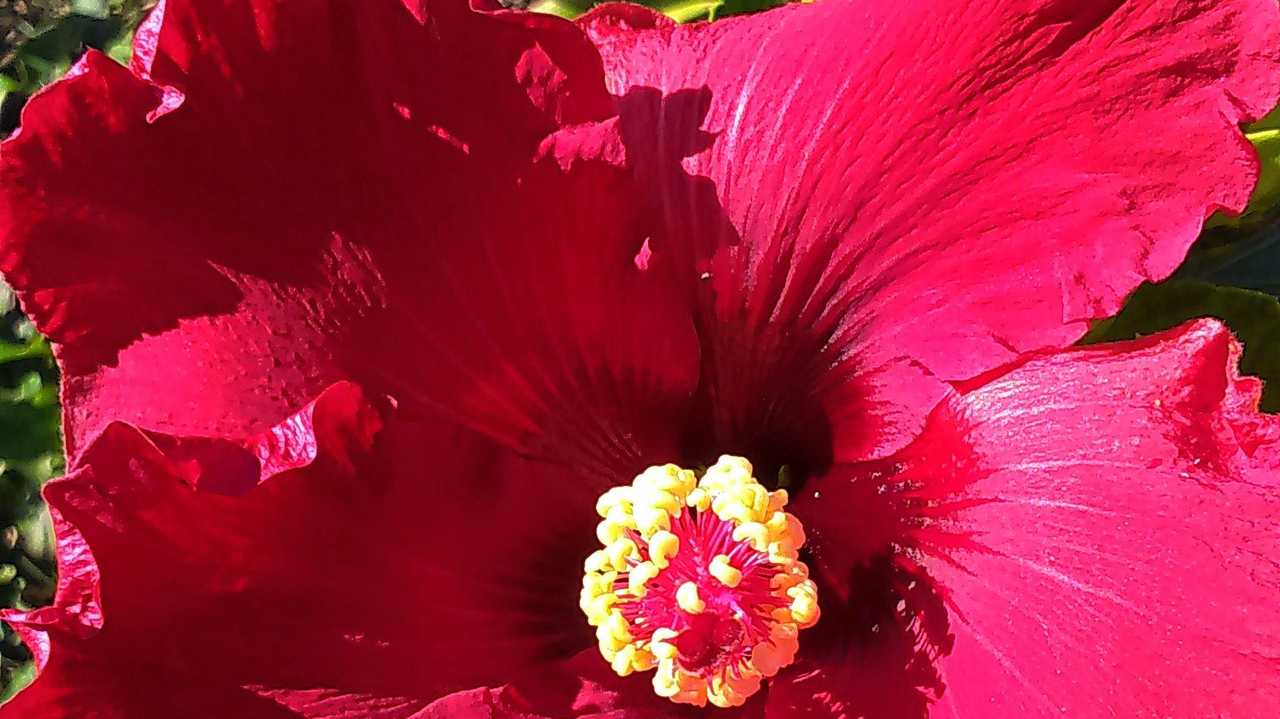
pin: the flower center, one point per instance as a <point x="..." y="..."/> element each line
<point x="698" y="578"/>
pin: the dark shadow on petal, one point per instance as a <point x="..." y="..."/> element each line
<point x="210" y="465"/>
<point x="758" y="395"/>
<point x="874" y="655"/>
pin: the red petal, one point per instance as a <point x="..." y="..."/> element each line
<point x="381" y="567"/>
<point x="582" y="687"/>
<point x="294" y="193"/>
<point x="956" y="182"/>
<point x="1103" y="525"/>
<point x="77" y="608"/>
<point x="873" y="653"/>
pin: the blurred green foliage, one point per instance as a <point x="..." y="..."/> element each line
<point x="1265" y="137"/>
<point x="679" y="10"/>
<point x="30" y="453"/>
<point x="1244" y="251"/>
<point x="39" y="40"/>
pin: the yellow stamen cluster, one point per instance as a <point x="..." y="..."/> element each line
<point x="666" y="564"/>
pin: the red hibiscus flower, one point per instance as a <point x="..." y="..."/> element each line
<point x="505" y="263"/>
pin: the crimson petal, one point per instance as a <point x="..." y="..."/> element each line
<point x="581" y="687"/>
<point x="277" y="187"/>
<point x="376" y="567"/>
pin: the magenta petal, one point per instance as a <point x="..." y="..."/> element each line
<point x="1103" y="525"/>
<point x="851" y="182"/>
<point x="1128" y="518"/>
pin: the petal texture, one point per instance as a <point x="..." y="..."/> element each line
<point x="581" y="687"/>
<point x="276" y="188"/>
<point x="955" y="182"/>
<point x="1102" y="527"/>
<point x="378" y="566"/>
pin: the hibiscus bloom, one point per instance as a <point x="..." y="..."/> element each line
<point x="366" y="310"/>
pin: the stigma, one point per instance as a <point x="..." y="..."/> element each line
<point x="698" y="580"/>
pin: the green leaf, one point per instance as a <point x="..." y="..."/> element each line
<point x="1254" y="317"/>
<point x="1247" y="256"/>
<point x="35" y="348"/>
<point x="690" y="10"/>
<point x="567" y="9"/>
<point x="16" y="678"/>
<point x="678" y="10"/>
<point x="26" y="431"/>
<point x="99" y="9"/>
<point x="1264" y="135"/>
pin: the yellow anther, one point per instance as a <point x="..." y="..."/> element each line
<point x="777" y="523"/>
<point x="639" y="576"/>
<point x="726" y="690"/>
<point x="698" y="499"/>
<point x="651" y="476"/>
<point x="621" y="516"/>
<point x="615" y="497"/>
<point x="643" y="660"/>
<point x="597" y="609"/>
<point x="782" y="580"/>
<point x="599" y="582"/>
<point x="731" y="509"/>
<point x="770" y="656"/>
<point x="668" y="478"/>
<point x="794" y="527"/>
<point x="610" y="644"/>
<point x="663" y="545"/>
<point x="609" y="532"/>
<point x="650" y="519"/>
<point x="664" y="650"/>
<point x="721" y="569"/>
<point x="620" y="551"/>
<point x="678" y="685"/>
<point x="733" y="466"/>
<point x="794" y="573"/>
<point x="607" y="651"/>
<point x="622" y="660"/>
<point x="766" y="657"/>
<point x="666" y="682"/>
<point x="735" y="512"/>
<point x="784" y="631"/>
<point x="661" y="645"/>
<point x="619" y="627"/>
<point x="687" y="598"/>
<point x="597" y="598"/>
<point x="659" y="499"/>
<point x="782" y="553"/>
<point x="777" y="499"/>
<point x="784" y="526"/>
<point x="804" y="603"/>
<point x="806" y="612"/>
<point x="645" y="527"/>
<point x="597" y="561"/>
<point x="696" y="696"/>
<point x="753" y="533"/>
<point x="759" y="500"/>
